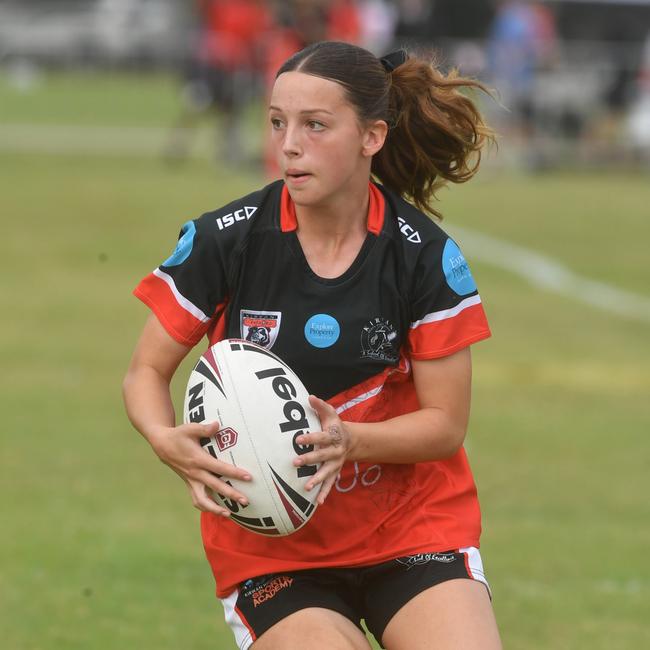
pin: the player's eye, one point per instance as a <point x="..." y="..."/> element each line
<point x="315" y="126"/>
<point x="276" y="123"/>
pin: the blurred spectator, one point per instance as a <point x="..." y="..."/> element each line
<point x="223" y="72"/>
<point x="522" y="40"/>
<point x="638" y="122"/>
<point x="414" y="21"/>
<point x="378" y="21"/>
<point x="343" y="21"/>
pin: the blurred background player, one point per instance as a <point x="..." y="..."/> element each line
<point x="522" y="42"/>
<point x="223" y="74"/>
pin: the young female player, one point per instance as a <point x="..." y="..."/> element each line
<point x="374" y="307"/>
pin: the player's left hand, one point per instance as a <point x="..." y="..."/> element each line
<point x="332" y="445"/>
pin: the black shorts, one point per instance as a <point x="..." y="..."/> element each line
<point x="374" y="593"/>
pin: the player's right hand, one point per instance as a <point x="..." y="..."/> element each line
<point x="180" y="449"/>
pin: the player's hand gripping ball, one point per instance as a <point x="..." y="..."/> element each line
<point x="262" y="407"/>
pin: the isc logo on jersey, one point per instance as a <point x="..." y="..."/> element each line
<point x="243" y="214"/>
<point x="411" y="235"/>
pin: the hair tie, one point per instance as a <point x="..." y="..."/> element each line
<point x="394" y="59"/>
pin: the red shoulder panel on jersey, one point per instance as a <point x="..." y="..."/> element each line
<point x="443" y="332"/>
<point x="184" y="322"/>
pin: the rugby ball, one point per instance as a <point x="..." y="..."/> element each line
<point x="262" y="407"/>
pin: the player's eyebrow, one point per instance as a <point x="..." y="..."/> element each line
<point x="307" y="111"/>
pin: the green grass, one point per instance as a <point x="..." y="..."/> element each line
<point x="100" y="546"/>
<point x="589" y="221"/>
<point x="87" y="98"/>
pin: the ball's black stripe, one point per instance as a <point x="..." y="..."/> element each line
<point x="253" y="521"/>
<point x="254" y="348"/>
<point x="297" y="498"/>
<point x="203" y="369"/>
<point x="262" y="531"/>
<point x="209" y="448"/>
<point x="265" y="526"/>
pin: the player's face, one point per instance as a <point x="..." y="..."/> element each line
<point x="318" y="141"/>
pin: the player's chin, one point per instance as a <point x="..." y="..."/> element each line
<point x="308" y="195"/>
<point x="303" y="188"/>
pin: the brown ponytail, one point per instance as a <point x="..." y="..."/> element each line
<point x="436" y="132"/>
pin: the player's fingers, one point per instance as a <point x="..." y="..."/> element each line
<point x="324" y="410"/>
<point x="196" y="430"/>
<point x="335" y="435"/>
<point x="204" y="461"/>
<point x="228" y="470"/>
<point x="325" y="489"/>
<point x="326" y="471"/>
<point x="321" y="455"/>
<point x="224" y="489"/>
<point x="202" y="501"/>
<point x="318" y="438"/>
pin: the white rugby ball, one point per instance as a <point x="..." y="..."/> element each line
<point x="262" y="407"/>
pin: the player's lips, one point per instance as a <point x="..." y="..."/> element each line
<point x="297" y="175"/>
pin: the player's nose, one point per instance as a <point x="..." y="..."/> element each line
<point x="291" y="143"/>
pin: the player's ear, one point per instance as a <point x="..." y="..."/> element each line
<point x="374" y="136"/>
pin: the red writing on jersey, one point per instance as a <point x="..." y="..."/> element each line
<point x="260" y="322"/>
<point x="267" y="591"/>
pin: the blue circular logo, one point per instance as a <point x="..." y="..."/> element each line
<point x="456" y="270"/>
<point x="183" y="246"/>
<point x="322" y="330"/>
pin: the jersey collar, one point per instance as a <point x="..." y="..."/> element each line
<point x="376" y="206"/>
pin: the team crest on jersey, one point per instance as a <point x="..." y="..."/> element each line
<point x="260" y="327"/>
<point x="379" y="340"/>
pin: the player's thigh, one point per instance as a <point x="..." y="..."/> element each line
<point x="314" y="628"/>
<point x="456" y="614"/>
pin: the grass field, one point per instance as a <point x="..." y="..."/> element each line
<point x="100" y="546"/>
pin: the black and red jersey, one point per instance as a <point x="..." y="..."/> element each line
<point x="239" y="272"/>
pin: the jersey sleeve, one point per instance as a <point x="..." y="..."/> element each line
<point x="446" y="309"/>
<point x="189" y="288"/>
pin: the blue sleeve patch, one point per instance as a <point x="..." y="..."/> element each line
<point x="456" y="270"/>
<point x="183" y="246"/>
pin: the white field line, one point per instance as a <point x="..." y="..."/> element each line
<point x="549" y="274"/>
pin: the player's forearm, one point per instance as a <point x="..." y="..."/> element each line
<point x="148" y="401"/>
<point x="427" y="434"/>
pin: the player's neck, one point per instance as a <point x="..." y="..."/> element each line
<point x="335" y="220"/>
<point x="332" y="235"/>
